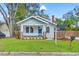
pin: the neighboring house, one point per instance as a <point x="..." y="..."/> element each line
<point x="37" y="26"/>
<point x="4" y="29"/>
<point x="77" y="24"/>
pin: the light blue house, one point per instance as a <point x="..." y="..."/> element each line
<point x="37" y="26"/>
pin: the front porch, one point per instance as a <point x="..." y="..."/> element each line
<point x="33" y="32"/>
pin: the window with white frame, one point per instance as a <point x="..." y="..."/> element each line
<point x="27" y="29"/>
<point x="47" y="30"/>
<point x="31" y="29"/>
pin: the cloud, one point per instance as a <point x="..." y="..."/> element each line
<point x="43" y="7"/>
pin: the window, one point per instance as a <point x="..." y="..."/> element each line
<point x="39" y="30"/>
<point x="31" y="29"/>
<point x="47" y="29"/>
<point x="27" y="29"/>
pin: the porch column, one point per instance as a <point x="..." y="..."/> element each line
<point x="44" y="28"/>
<point x="44" y="31"/>
<point x="21" y="30"/>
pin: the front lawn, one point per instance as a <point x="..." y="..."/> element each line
<point x="15" y="45"/>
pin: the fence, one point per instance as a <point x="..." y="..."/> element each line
<point x="66" y="34"/>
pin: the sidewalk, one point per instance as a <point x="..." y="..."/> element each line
<point x="39" y="53"/>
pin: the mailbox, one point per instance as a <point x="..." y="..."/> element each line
<point x="72" y="38"/>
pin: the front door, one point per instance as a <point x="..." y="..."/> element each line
<point x="40" y="31"/>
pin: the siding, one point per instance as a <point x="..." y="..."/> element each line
<point x="4" y="29"/>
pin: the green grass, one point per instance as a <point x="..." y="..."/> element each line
<point x="14" y="45"/>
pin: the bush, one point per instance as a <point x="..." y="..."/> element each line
<point x="76" y="29"/>
<point x="17" y="34"/>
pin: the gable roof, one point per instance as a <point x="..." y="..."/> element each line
<point x="45" y="19"/>
<point x="37" y="18"/>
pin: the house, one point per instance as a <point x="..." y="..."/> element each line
<point x="77" y="24"/>
<point x="37" y="26"/>
<point x="4" y="29"/>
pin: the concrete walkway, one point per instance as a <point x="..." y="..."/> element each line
<point x="39" y="53"/>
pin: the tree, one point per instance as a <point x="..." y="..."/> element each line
<point x="76" y="11"/>
<point x="9" y="15"/>
<point x="73" y="14"/>
<point x="59" y="23"/>
<point x="27" y="9"/>
<point x="71" y="18"/>
<point x="76" y="14"/>
<point x="22" y="12"/>
<point x="33" y="8"/>
<point x="69" y="15"/>
<point x="69" y="24"/>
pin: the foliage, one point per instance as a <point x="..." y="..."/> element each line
<point x="76" y="29"/>
<point x="22" y="12"/>
<point x="69" y="15"/>
<point x="17" y="35"/>
<point x="44" y="16"/>
<point x="73" y="14"/>
<point x="27" y="9"/>
<point x="76" y="10"/>
<point x="58" y="21"/>
<point x="33" y="8"/>
<point x="69" y="24"/>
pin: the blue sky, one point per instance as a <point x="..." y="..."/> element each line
<point x="57" y="9"/>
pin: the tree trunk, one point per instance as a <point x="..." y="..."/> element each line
<point x="10" y="21"/>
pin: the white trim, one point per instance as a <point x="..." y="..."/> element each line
<point x="33" y="24"/>
<point x="41" y="20"/>
<point x="23" y="20"/>
<point x="33" y="17"/>
<point x="46" y="20"/>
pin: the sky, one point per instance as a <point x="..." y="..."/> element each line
<point x="56" y="9"/>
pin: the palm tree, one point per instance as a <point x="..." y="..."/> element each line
<point x="69" y="24"/>
<point x="76" y="14"/>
